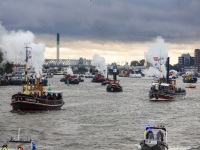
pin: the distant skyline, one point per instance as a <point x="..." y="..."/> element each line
<point x="118" y="30"/>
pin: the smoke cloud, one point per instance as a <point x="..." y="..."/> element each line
<point x="69" y="71"/>
<point x="157" y="49"/>
<point x="100" y="64"/>
<point x="13" y="43"/>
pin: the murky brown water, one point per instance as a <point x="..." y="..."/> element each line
<point x="93" y="119"/>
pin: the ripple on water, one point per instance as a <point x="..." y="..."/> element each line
<point x="95" y="119"/>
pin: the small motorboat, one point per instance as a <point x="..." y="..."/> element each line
<point x="25" y="144"/>
<point x="190" y="86"/>
<point x="88" y="75"/>
<point x="154" y="138"/>
<point x="72" y="81"/>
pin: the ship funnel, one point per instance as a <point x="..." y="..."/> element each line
<point x="58" y="45"/>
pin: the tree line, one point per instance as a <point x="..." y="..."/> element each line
<point x="5" y="67"/>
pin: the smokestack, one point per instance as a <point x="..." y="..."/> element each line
<point x="58" y="44"/>
<point x="114" y="72"/>
<point x="167" y="70"/>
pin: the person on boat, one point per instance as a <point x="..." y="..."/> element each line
<point x="35" y="94"/>
<point x="54" y="96"/>
<point x="44" y="96"/>
<point x="149" y="134"/>
<point x="59" y="96"/>
<point x="4" y="147"/>
<point x="19" y="147"/>
<point x="160" y="135"/>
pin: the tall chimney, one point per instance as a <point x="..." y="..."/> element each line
<point x="167" y="77"/>
<point x="58" y="44"/>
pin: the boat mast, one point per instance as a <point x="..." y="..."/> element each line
<point x="26" y="60"/>
<point x="160" y="67"/>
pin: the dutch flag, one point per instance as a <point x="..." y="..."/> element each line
<point x="183" y="75"/>
<point x="170" y="76"/>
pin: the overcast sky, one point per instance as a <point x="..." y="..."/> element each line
<point x="119" y="30"/>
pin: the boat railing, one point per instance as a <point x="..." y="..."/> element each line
<point x="38" y="100"/>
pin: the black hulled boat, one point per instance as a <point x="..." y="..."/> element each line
<point x="72" y="81"/>
<point x="27" y="100"/>
<point x="34" y="98"/>
<point x="154" y="141"/>
<point x="189" y="78"/>
<point x="166" y="91"/>
<point x="114" y="84"/>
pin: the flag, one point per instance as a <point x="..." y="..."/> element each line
<point x="155" y="65"/>
<point x="155" y="78"/>
<point x="155" y="58"/>
<point x="29" y="52"/>
<point x="29" y="55"/>
<point x="170" y="76"/>
<point x="183" y="75"/>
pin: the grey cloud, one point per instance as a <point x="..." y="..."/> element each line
<point x="105" y="20"/>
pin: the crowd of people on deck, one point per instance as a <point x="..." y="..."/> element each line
<point x="49" y="96"/>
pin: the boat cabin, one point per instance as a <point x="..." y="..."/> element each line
<point x="32" y="88"/>
<point x="53" y="95"/>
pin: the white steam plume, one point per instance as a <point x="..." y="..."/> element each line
<point x="13" y="44"/>
<point x="69" y="71"/>
<point x="158" y="49"/>
<point x="100" y="64"/>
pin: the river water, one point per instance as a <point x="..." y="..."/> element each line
<point x="93" y="119"/>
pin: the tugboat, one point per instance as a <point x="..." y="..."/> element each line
<point x="26" y="144"/>
<point x="34" y="98"/>
<point x="154" y="141"/>
<point x="166" y="91"/>
<point x="114" y="84"/>
<point x="98" y="78"/>
<point x="189" y="78"/>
